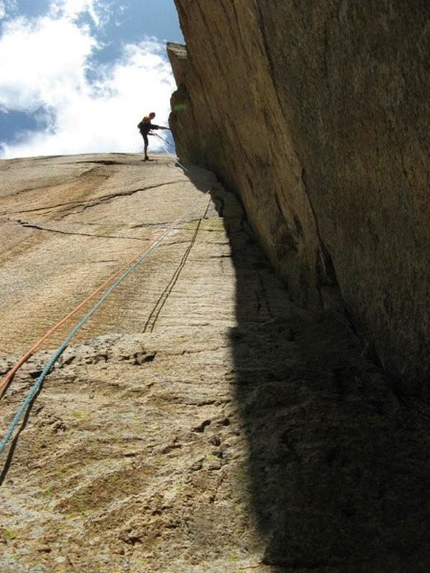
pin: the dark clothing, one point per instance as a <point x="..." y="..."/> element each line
<point x="145" y="136"/>
<point x="145" y="127"/>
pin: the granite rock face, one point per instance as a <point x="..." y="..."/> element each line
<point x="317" y="116"/>
<point x="198" y="420"/>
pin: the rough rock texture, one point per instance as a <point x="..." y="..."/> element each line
<point x="317" y="115"/>
<point x="199" y="421"/>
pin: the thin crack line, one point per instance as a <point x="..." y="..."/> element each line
<point x="60" y="232"/>
<point x="93" y="203"/>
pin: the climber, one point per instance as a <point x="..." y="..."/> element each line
<point x="145" y="126"/>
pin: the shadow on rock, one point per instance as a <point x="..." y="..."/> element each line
<point x="338" y="463"/>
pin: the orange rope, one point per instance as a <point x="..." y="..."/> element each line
<point x="4" y="383"/>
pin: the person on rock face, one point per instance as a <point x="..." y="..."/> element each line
<point x="145" y="127"/>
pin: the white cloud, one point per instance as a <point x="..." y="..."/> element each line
<point x="98" y="10"/>
<point x="42" y="62"/>
<point x="45" y="65"/>
<point x="6" y="7"/>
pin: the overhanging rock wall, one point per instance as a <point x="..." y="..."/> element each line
<point x="317" y="116"/>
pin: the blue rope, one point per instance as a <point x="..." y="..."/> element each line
<point x="39" y="382"/>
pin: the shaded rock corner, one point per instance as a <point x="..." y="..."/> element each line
<point x="316" y="116"/>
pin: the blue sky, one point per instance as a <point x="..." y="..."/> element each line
<point x="76" y="76"/>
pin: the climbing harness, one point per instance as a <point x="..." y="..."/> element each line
<point x="114" y="281"/>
